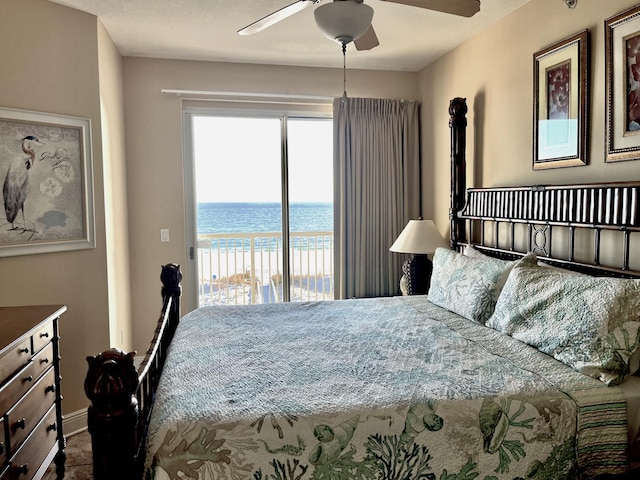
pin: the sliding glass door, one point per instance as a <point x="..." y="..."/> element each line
<point x="310" y="206"/>
<point x="262" y="229"/>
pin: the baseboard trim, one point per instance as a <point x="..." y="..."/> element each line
<point x="75" y="422"/>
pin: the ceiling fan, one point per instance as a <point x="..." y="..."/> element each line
<point x="350" y="20"/>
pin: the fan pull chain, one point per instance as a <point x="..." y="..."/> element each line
<point x="344" y="70"/>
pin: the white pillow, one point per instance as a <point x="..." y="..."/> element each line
<point x="466" y="285"/>
<point x="558" y="269"/>
<point x="471" y="251"/>
<point x="590" y="323"/>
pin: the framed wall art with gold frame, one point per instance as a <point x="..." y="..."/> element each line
<point x="622" y="65"/>
<point x="560" y="103"/>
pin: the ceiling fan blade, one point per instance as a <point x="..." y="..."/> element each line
<point x="464" y="8"/>
<point x="368" y="40"/>
<point x="276" y="17"/>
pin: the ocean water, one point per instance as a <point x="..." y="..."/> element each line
<point x="225" y="258"/>
<point x="263" y="217"/>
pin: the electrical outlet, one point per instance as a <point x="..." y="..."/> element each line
<point x="164" y="234"/>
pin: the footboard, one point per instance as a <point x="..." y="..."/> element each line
<point x="122" y="394"/>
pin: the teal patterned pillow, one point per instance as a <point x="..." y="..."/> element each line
<point x="591" y="324"/>
<point x="468" y="286"/>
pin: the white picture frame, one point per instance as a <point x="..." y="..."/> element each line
<point x="47" y="179"/>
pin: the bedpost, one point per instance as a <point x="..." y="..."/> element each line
<point x="458" y="126"/>
<point x="122" y="395"/>
<point x="171" y="276"/>
<point x="112" y="417"/>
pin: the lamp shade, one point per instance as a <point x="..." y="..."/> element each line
<point x="419" y="236"/>
<point x="343" y="20"/>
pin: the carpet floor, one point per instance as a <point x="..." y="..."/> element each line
<point x="79" y="465"/>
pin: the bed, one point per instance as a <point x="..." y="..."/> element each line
<point x="503" y="385"/>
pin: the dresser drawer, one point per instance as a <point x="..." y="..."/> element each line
<point x="24" y="380"/>
<point x="26" y="462"/>
<point x="42" y="337"/>
<point x="30" y="401"/>
<point x="14" y="358"/>
<point x="26" y="414"/>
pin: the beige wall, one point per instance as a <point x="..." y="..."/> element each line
<point x="49" y="63"/>
<point x="115" y="185"/>
<point x="155" y="158"/>
<point x="494" y="71"/>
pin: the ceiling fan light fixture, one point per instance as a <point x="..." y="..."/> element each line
<point x="343" y="20"/>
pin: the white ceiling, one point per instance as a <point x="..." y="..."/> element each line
<point x="410" y="37"/>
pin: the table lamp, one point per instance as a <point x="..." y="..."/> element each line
<point x="420" y="238"/>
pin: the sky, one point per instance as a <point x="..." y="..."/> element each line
<point x="238" y="159"/>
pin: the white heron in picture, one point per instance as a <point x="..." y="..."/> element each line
<point x="17" y="183"/>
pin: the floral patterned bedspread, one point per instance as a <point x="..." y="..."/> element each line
<point x="386" y="388"/>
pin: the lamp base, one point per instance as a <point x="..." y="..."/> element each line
<point x="417" y="271"/>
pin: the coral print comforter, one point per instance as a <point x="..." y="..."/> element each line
<point x="386" y="388"/>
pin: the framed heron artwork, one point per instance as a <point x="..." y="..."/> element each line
<point x="47" y="183"/>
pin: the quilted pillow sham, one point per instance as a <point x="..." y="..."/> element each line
<point x="591" y="324"/>
<point x="468" y="286"/>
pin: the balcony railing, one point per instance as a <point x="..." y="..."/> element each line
<point x="246" y="268"/>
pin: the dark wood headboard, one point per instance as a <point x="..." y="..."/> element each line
<point x="587" y="228"/>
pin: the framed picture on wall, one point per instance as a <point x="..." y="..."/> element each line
<point x="46" y="174"/>
<point x="560" y="103"/>
<point x="622" y="65"/>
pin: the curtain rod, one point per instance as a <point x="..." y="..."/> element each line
<point x="265" y="96"/>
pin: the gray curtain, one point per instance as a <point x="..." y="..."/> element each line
<point x="376" y="191"/>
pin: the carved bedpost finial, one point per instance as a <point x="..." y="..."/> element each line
<point x="171" y="276"/>
<point x="111" y="380"/>
<point x="113" y="415"/>
<point x="458" y="107"/>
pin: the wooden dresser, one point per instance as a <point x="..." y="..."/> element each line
<point x="30" y="400"/>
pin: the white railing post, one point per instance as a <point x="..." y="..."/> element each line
<point x="230" y="283"/>
<point x="253" y="279"/>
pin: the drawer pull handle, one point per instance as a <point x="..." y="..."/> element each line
<point x="44" y="335"/>
<point x="50" y="388"/>
<point x="22" y="423"/>
<point x="52" y="427"/>
<point x="23" y="350"/>
<point x="44" y="360"/>
<point x="23" y="469"/>
<point x="1" y="448"/>
<point x="28" y="379"/>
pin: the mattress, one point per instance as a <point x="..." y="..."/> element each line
<point x="373" y="388"/>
